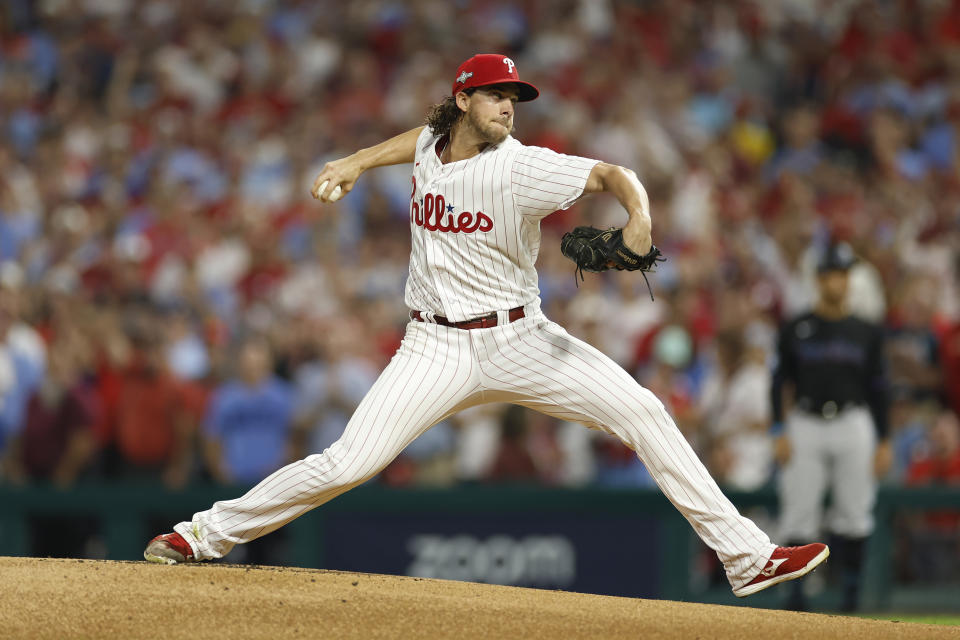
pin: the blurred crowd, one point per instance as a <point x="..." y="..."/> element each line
<point x="175" y="306"/>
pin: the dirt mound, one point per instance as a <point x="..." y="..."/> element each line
<point x="47" y="598"/>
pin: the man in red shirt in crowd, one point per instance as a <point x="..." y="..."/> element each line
<point x="940" y="465"/>
<point x="935" y="551"/>
<point x="153" y="417"/>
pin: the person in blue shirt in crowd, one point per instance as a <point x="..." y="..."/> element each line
<point x="246" y="432"/>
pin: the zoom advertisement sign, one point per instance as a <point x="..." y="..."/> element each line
<point x="609" y="555"/>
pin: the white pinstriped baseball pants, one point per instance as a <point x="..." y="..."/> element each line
<point x="438" y="371"/>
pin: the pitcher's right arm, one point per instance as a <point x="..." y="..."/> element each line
<point x="344" y="172"/>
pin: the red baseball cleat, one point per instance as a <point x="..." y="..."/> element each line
<point x="786" y="563"/>
<point x="170" y="548"/>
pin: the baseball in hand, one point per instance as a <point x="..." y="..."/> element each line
<point x="334" y="195"/>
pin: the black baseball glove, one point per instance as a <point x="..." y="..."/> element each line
<point x="598" y="250"/>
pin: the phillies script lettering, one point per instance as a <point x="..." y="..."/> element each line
<point x="435" y="216"/>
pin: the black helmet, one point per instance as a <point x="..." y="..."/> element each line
<point x="836" y="257"/>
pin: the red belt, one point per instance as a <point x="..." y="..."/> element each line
<point x="476" y="323"/>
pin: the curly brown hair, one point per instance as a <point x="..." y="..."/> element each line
<point x="442" y="116"/>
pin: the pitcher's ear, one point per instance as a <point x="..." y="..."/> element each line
<point x="463" y="100"/>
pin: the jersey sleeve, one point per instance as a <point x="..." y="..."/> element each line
<point x="544" y="181"/>
<point x="877" y="390"/>
<point x="785" y="371"/>
<point x="425" y="142"/>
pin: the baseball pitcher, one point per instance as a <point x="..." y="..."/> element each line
<point x="477" y="333"/>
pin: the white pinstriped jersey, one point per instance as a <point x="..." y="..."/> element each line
<point x="475" y="224"/>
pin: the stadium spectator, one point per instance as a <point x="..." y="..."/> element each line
<point x="329" y="386"/>
<point x="736" y="412"/>
<point x="912" y="347"/>
<point x="247" y="428"/>
<point x="934" y="548"/>
<point x="939" y="462"/>
<point x="20" y="374"/>
<point x="950" y="350"/>
<point x="56" y="443"/>
<point x="154" y="424"/>
<point x="514" y="461"/>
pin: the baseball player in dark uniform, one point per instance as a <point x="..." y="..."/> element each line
<point x="832" y="436"/>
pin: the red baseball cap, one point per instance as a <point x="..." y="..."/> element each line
<point x="492" y="68"/>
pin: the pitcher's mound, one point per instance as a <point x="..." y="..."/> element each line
<point x="47" y="598"/>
